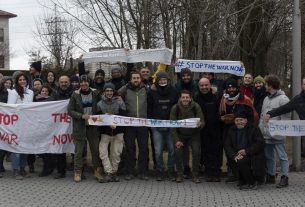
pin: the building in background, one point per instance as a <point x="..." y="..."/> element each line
<point x="4" y="39"/>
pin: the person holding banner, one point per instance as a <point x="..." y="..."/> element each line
<point x="275" y="99"/>
<point x="296" y="104"/>
<point x="135" y="96"/>
<point x="184" y="137"/>
<point x="83" y="104"/>
<point x="21" y="94"/>
<point x="63" y="92"/>
<point x="160" y="101"/>
<point x="113" y="135"/>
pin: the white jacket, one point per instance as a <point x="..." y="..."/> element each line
<point x="271" y="102"/>
<point x="14" y="98"/>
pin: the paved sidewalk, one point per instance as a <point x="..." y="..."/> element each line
<point x="47" y="191"/>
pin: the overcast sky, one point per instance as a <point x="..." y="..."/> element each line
<point x="21" y="29"/>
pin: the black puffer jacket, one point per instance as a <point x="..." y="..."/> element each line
<point x="160" y="101"/>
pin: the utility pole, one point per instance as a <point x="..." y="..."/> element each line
<point x="296" y="75"/>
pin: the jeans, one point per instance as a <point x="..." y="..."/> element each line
<point x="159" y="138"/>
<point x="18" y="160"/>
<point x="271" y="161"/>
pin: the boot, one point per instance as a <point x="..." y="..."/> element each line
<point x="160" y="176"/>
<point x="179" y="179"/>
<point x="98" y="174"/>
<point x="114" y="177"/>
<point x="196" y="179"/>
<point x="270" y="179"/>
<point x="283" y="182"/>
<point x="77" y="175"/>
<point x="18" y="175"/>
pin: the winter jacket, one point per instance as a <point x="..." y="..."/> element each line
<point x="259" y="96"/>
<point x="75" y="110"/>
<point x="14" y="98"/>
<point x="271" y="102"/>
<point x="113" y="106"/>
<point x="209" y="104"/>
<point x="191" y="87"/>
<point x="255" y="150"/>
<point x="297" y="103"/>
<point x="3" y="95"/>
<point x="62" y="95"/>
<point x="135" y="99"/>
<point x="160" y="102"/>
<point x="179" y="112"/>
<point x="247" y="90"/>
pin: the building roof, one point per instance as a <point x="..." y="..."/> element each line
<point x="7" y="14"/>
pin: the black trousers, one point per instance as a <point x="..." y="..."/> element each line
<point x="48" y="163"/>
<point x="244" y="170"/>
<point x="2" y="155"/>
<point x="211" y="150"/>
<point x="141" y="135"/>
<point x="60" y="162"/>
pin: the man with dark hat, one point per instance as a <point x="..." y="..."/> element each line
<point x="35" y="72"/>
<point x="160" y="101"/>
<point x="99" y="80"/>
<point x="245" y="149"/>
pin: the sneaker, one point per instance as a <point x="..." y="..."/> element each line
<point x="31" y="169"/>
<point x="196" y="180"/>
<point x="231" y="179"/>
<point x="44" y="173"/>
<point x="114" y="178"/>
<point x="216" y="179"/>
<point x="187" y="172"/>
<point x="209" y="179"/>
<point x="283" y="182"/>
<point x="143" y="177"/>
<point x="160" y="176"/>
<point x="60" y="175"/>
<point x="24" y="173"/>
<point x="17" y="175"/>
<point x="1" y="174"/>
<point x="171" y="174"/>
<point x="179" y="179"/>
<point x="128" y="177"/>
<point x="248" y="187"/>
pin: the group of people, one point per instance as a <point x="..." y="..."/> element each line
<point x="233" y="118"/>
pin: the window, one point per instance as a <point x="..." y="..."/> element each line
<point x="1" y="61"/>
<point x="1" y="35"/>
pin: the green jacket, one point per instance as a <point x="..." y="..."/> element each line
<point x="135" y="100"/>
<point x="75" y="110"/>
<point x="184" y="112"/>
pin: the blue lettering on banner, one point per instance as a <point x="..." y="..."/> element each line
<point x="277" y="127"/>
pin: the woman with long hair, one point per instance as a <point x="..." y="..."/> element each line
<point x="21" y="94"/>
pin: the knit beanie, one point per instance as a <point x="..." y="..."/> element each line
<point x="109" y="85"/>
<point x="259" y="79"/>
<point x="186" y="71"/>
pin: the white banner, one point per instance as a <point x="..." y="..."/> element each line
<point x="286" y="127"/>
<point x="211" y="66"/>
<point x="130" y="56"/>
<point x="108" y="120"/>
<point x="35" y="128"/>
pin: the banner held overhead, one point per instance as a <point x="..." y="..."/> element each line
<point x="211" y="66"/>
<point x="130" y="56"/>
